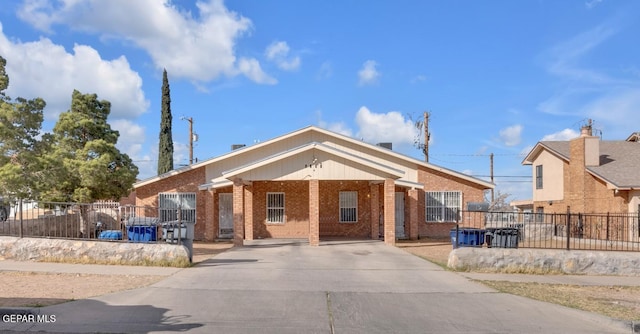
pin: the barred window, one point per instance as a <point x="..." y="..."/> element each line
<point x="348" y="206"/>
<point x="442" y="206"/>
<point x="275" y="208"/>
<point x="539" y="177"/>
<point x="170" y="203"/>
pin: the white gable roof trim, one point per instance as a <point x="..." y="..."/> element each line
<point x="319" y="146"/>
<point x="324" y="131"/>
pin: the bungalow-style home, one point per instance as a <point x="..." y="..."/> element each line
<point x="586" y="175"/>
<point x="313" y="183"/>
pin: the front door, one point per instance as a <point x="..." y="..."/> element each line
<point x="225" y="215"/>
<point x="400" y="215"/>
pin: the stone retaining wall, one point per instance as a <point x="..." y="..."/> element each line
<point x="93" y="251"/>
<point x="520" y="260"/>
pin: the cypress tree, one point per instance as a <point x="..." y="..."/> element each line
<point x="165" y="149"/>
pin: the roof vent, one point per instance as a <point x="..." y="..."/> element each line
<point x="388" y="146"/>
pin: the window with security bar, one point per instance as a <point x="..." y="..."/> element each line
<point x="348" y="206"/>
<point x="443" y="206"/>
<point x="539" y="177"/>
<point x="275" y="208"/>
<point x="170" y="203"/>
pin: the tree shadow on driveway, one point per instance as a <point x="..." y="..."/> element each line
<point x="94" y="316"/>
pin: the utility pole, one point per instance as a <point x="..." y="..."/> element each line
<point x="190" y="120"/>
<point x="427" y="136"/>
<point x="491" y="163"/>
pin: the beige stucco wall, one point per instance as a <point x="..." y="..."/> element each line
<point x="634" y="201"/>
<point x="552" y="172"/>
<point x="327" y="166"/>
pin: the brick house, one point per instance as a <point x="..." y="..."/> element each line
<point x="313" y="183"/>
<point x="586" y="175"/>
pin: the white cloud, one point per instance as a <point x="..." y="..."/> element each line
<point x="44" y="69"/>
<point x="610" y="97"/>
<point x="325" y="71"/>
<point x="131" y="137"/>
<point x="199" y="46"/>
<point x="252" y="70"/>
<point x="564" y="57"/>
<point x="511" y="136"/>
<point x="592" y="3"/>
<point x="566" y="134"/>
<point x="368" y="74"/>
<point x="131" y="140"/>
<point x="278" y="52"/>
<point x="387" y="127"/>
<point x="419" y="78"/>
<point x="338" y="127"/>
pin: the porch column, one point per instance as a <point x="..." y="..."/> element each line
<point x="314" y="212"/>
<point x="389" y="212"/>
<point x="248" y="212"/>
<point x="413" y="214"/>
<point x="210" y="231"/>
<point x="374" y="190"/>
<point x="238" y="212"/>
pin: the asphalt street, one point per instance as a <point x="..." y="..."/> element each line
<point x="280" y="286"/>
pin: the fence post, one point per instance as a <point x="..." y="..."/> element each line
<point x="608" y="225"/>
<point x="179" y="217"/>
<point x="568" y="230"/>
<point x="455" y="244"/>
<point x="21" y="222"/>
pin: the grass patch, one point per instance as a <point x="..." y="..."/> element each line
<point x="618" y="302"/>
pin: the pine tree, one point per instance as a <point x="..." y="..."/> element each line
<point x="20" y="147"/>
<point x="165" y="149"/>
<point x="85" y="165"/>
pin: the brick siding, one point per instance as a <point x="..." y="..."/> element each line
<point x="297" y="205"/>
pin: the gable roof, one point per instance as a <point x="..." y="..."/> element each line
<point x="393" y="172"/>
<point x="329" y="149"/>
<point x="619" y="161"/>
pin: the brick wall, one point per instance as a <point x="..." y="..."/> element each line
<point x="434" y="180"/>
<point x="583" y="192"/>
<point x="330" y="225"/>
<point x="297" y="205"/>
<point x="188" y="181"/>
<point x="296" y="194"/>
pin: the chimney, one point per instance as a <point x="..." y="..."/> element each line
<point x="388" y="146"/>
<point x="586" y="131"/>
<point x="591" y="148"/>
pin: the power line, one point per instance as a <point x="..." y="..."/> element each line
<point x="481" y="155"/>
<point x="522" y="176"/>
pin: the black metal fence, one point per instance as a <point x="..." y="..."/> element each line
<point x="570" y="231"/>
<point x="108" y="221"/>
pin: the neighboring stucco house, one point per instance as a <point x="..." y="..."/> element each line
<point x="586" y="175"/>
<point x="313" y="183"/>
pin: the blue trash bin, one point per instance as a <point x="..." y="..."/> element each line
<point x="141" y="233"/>
<point x="110" y="235"/>
<point x="467" y="237"/>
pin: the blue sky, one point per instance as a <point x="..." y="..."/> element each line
<point x="496" y="76"/>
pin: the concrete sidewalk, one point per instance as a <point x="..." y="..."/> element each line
<point x="584" y="280"/>
<point x="339" y="287"/>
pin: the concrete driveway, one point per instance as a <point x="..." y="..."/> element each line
<point x="286" y="286"/>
